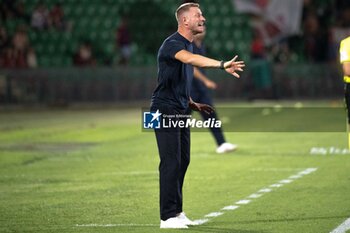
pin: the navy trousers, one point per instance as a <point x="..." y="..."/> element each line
<point x="174" y="152"/>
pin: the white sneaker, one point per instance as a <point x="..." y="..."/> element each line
<point x="172" y="223"/>
<point x="183" y="218"/>
<point x="226" y="147"/>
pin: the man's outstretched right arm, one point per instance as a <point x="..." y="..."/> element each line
<point x="201" y="61"/>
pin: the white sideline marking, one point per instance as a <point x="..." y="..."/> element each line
<point x="276" y="185"/>
<point x="307" y="171"/>
<point x="264" y="190"/>
<point x="201" y="221"/>
<point x="295" y="177"/>
<point x="275" y="169"/>
<point x="260" y="193"/>
<point x="230" y="207"/>
<point x="243" y="202"/>
<point x="254" y="195"/>
<point x="342" y="228"/>
<point x="214" y="214"/>
<point x="286" y="181"/>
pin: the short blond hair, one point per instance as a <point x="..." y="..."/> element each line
<point x="184" y="7"/>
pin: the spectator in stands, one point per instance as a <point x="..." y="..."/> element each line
<point x="40" y="17"/>
<point x="6" y="51"/>
<point x="57" y="17"/>
<point x="20" y="57"/>
<point x="21" y="12"/>
<point x="281" y="51"/>
<point x="316" y="40"/>
<point x="31" y="58"/>
<point x="20" y="45"/>
<point x="84" y="56"/>
<point x="260" y="68"/>
<point x="7" y="59"/>
<point x="4" y="12"/>
<point x="11" y="58"/>
<point x="4" y="39"/>
<point x="13" y="9"/>
<point x="18" y="53"/>
<point x="124" y="41"/>
<point x="342" y="13"/>
<point x="20" y="41"/>
<point x="345" y="18"/>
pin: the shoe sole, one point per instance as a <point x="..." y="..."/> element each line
<point x="227" y="151"/>
<point x="184" y="227"/>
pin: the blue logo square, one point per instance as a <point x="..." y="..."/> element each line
<point x="151" y="120"/>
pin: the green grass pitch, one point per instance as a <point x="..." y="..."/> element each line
<point x="94" y="170"/>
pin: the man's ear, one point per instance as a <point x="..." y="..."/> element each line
<point x="185" y="20"/>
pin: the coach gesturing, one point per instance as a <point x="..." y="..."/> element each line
<point x="172" y="97"/>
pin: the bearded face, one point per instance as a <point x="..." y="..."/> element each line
<point x="195" y="21"/>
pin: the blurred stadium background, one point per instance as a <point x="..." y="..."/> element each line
<point x="68" y="51"/>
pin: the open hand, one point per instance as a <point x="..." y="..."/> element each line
<point x="201" y="107"/>
<point x="232" y="66"/>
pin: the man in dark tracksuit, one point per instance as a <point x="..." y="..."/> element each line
<point x="200" y="93"/>
<point x="171" y="97"/>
